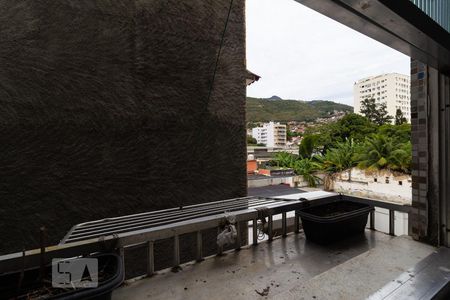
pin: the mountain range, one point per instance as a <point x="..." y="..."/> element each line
<point x="277" y="109"/>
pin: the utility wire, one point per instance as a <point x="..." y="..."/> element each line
<point x="219" y="53"/>
<point x="194" y="134"/>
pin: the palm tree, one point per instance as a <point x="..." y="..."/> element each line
<point x="375" y="153"/>
<point x="339" y="158"/>
<point x="401" y="158"/>
<point x="336" y="160"/>
<point x="307" y="168"/>
<point x="307" y="146"/>
<point x="382" y="152"/>
<point x="284" y="159"/>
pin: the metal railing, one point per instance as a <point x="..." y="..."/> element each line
<point x="143" y="230"/>
<point x="129" y="223"/>
<point x="391" y="207"/>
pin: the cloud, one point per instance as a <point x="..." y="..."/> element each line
<point x="301" y="54"/>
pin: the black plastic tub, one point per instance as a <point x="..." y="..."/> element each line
<point x="111" y="275"/>
<point x="334" y="221"/>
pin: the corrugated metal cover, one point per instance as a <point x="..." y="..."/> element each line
<point x="438" y="10"/>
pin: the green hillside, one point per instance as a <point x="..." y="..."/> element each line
<point x="260" y="110"/>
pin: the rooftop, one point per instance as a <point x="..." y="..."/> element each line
<point x="271" y="190"/>
<point x="380" y="76"/>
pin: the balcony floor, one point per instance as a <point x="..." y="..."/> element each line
<point x="292" y="268"/>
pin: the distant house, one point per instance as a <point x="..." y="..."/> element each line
<point x="252" y="164"/>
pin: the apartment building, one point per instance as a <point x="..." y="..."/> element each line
<point x="392" y="89"/>
<point x="271" y="134"/>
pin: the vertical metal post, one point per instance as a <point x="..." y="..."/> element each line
<point x="219" y="248"/>
<point x="446" y="190"/>
<point x="122" y="256"/>
<point x="238" y="235"/>
<point x="255" y="231"/>
<point x="176" y="251"/>
<point x="270" y="228"/>
<point x="199" y="246"/>
<point x="150" y="258"/>
<point x="22" y="272"/>
<point x="372" y="220"/>
<point x="284" y="223"/>
<point x="42" y="242"/>
<point x="391" y="222"/>
<point x="297" y="222"/>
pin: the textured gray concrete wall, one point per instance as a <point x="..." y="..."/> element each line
<point x="104" y="110"/>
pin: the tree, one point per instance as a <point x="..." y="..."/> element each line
<point x="382" y="116"/>
<point x="382" y="152"/>
<point x="340" y="158"/>
<point x="351" y="127"/>
<point x="337" y="160"/>
<point x="369" y="109"/>
<point x="284" y="159"/>
<point x="374" y="154"/>
<point x="251" y="125"/>
<point x="251" y="140"/>
<point x="307" y="168"/>
<point x="307" y="146"/>
<point x="401" y="158"/>
<point x="399" y="117"/>
<point x="399" y="133"/>
<point x="376" y="113"/>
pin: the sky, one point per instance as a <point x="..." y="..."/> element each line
<point x="301" y="54"/>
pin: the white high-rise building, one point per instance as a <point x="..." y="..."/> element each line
<point x="393" y="89"/>
<point x="271" y="134"/>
